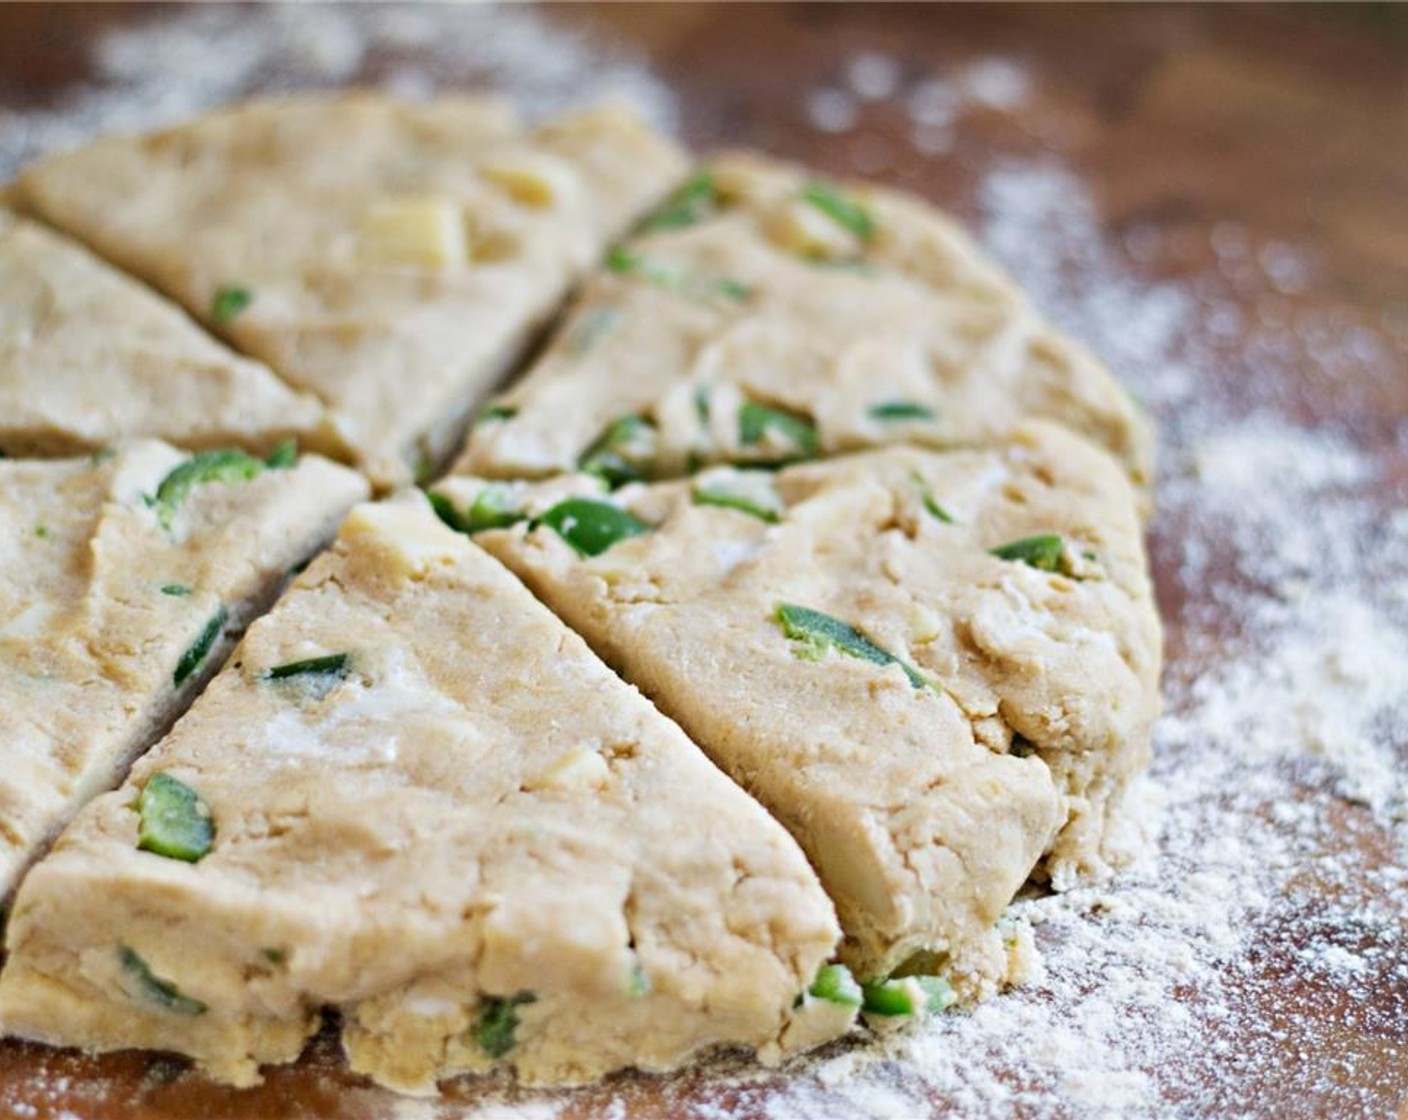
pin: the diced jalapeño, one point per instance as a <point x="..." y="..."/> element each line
<point x="173" y="821"/>
<point x="930" y="503"/>
<point x="591" y="527"/>
<point x="673" y="277"/>
<point x="155" y="990"/>
<point x="229" y="301"/>
<point x="841" y="208"/>
<point x="224" y="465"/>
<point x="794" y="430"/>
<point x="199" y="649"/>
<point x="1041" y="552"/>
<point x="496" y="414"/>
<point x="496" y="1026"/>
<point x="695" y="200"/>
<point x="622" y="453"/>
<point x="331" y="665"/>
<point x="835" y="984"/>
<point x="819" y="632"/>
<point x="492" y="508"/>
<point x="750" y="492"/>
<point x="909" y="995"/>
<point x="900" y="410"/>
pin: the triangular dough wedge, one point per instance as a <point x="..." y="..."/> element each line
<point x="762" y="315"/>
<point x="928" y="719"/>
<point x="458" y="827"/>
<point x="89" y="357"/>
<point x="114" y="610"/>
<point x="392" y="258"/>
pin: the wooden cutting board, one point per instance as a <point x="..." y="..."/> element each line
<point x="1191" y="131"/>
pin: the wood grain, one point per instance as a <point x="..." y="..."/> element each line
<point x="1291" y="124"/>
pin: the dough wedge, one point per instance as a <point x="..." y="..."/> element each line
<point x="961" y="722"/>
<point x="89" y="357"/>
<point x="764" y="315"/>
<point x="392" y="258"/>
<point x="471" y="838"/>
<point x="110" y="619"/>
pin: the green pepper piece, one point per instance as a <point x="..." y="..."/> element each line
<point x="930" y="503"/>
<point x="225" y="465"/>
<point x="819" y="632"/>
<point x="694" y="201"/>
<point x="623" y="261"/>
<point x="758" y="499"/>
<point x="735" y="290"/>
<point x="1041" y="552"/>
<point x="424" y="469"/>
<point x="491" y="509"/>
<point x="161" y="992"/>
<point x="497" y="1022"/>
<point x="892" y="998"/>
<point x="756" y="420"/>
<point x="1021" y="746"/>
<point x="200" y="648"/>
<point x="835" y="984"/>
<point x="900" y="410"/>
<point x="841" y="208"/>
<point x="173" y="820"/>
<point x="622" y="453"/>
<point x="329" y="665"/>
<point x="908" y="995"/>
<point x="495" y="413"/>
<point x="591" y="527"/>
<point x="176" y="590"/>
<point x="284" y="456"/>
<point x="229" y="301"/>
<point x="672" y="277"/>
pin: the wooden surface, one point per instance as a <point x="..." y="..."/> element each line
<point x="1290" y="124"/>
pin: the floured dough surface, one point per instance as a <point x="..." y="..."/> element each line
<point x="391" y="258"/>
<point x="88" y="357"/>
<point x="962" y="720"/>
<point x="469" y="836"/>
<point x="765" y="316"/>
<point x="109" y="618"/>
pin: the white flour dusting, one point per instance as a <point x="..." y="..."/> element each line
<point x="161" y="70"/>
<point x="1275" y="897"/>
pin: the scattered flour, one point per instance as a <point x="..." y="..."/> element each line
<point x="1233" y="961"/>
<point x="160" y="70"/>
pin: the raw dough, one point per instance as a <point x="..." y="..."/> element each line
<point x="755" y="294"/>
<point x="1013" y="708"/>
<point x="475" y="841"/>
<point x="392" y="258"/>
<point x="88" y="358"/>
<point x="99" y="604"/>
